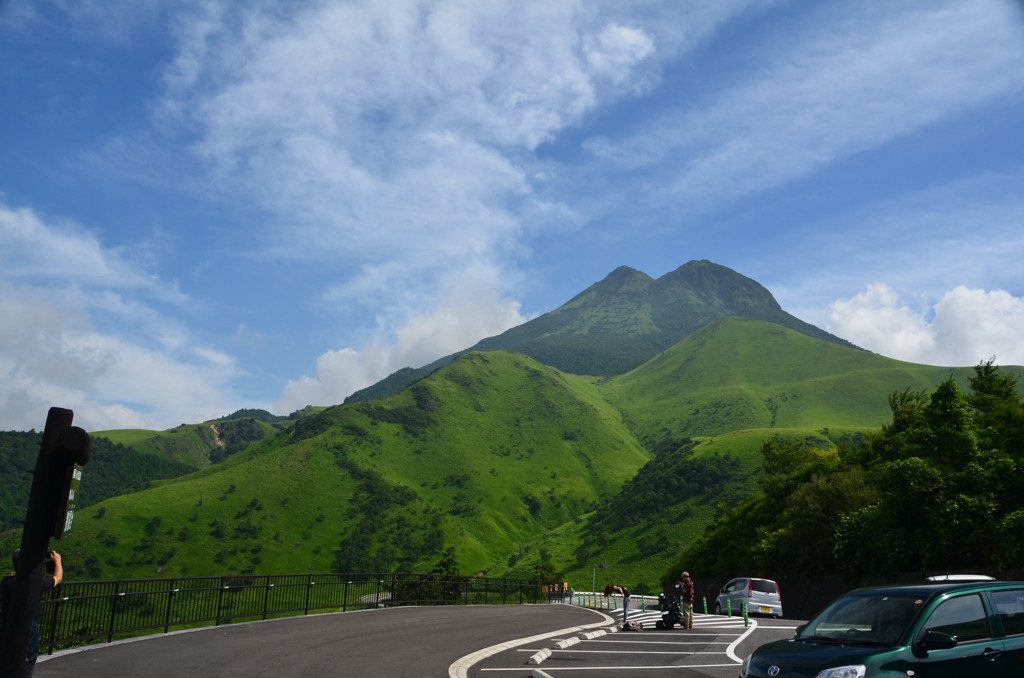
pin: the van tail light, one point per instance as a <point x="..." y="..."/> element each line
<point x="750" y="588"/>
<point x="779" y="591"/>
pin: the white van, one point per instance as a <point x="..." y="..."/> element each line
<point x="761" y="595"/>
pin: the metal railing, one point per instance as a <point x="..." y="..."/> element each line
<point x="79" y="613"/>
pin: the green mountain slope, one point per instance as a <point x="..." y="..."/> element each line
<point x="197" y="445"/>
<point x="114" y="469"/>
<point x="738" y="374"/>
<point x="620" y="322"/>
<point x="480" y="457"/>
<point x="728" y="387"/>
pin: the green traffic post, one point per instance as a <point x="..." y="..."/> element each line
<point x="705" y="605"/>
<point x="643" y="603"/>
<point x="746" y="615"/>
<point x="728" y="606"/>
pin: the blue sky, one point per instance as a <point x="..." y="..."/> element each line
<point x="213" y="205"/>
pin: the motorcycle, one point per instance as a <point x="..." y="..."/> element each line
<point x="671" y="614"/>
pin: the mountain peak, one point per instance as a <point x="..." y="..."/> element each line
<point x="622" y="321"/>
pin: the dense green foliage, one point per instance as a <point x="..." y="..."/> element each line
<point x="940" y="486"/>
<point x="624" y="320"/>
<point x="114" y="469"/>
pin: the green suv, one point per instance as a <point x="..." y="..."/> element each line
<point x="931" y="630"/>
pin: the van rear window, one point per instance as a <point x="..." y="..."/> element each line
<point x="764" y="586"/>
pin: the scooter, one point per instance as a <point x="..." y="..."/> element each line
<point x="669" y="606"/>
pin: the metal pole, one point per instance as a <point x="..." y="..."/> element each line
<point x="113" y="610"/>
<point x="53" y="624"/>
<point x="220" y="600"/>
<point x="170" y="598"/>
<point x="266" y="598"/>
<point x="309" y="589"/>
<point x="344" y="597"/>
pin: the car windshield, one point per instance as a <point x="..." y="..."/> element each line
<point x="864" y="619"/>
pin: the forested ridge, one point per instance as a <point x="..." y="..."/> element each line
<point x="114" y="469"/>
<point x="941" y="486"/>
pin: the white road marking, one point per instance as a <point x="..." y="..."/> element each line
<point x="574" y="651"/>
<point x="732" y="648"/>
<point x="622" y="668"/>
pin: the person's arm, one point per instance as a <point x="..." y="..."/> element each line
<point x="58" y="569"/>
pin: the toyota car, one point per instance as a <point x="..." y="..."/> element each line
<point x="930" y="630"/>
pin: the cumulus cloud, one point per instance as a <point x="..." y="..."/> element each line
<point x="467" y="313"/>
<point x="963" y="328"/>
<point x="54" y="283"/>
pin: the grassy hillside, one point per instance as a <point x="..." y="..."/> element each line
<point x="481" y="457"/>
<point x="620" y="322"/>
<point x="197" y="445"/>
<point x="737" y="374"/>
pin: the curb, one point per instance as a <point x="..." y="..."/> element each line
<point x="540" y="656"/>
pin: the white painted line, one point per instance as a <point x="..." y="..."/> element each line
<point x="677" y="652"/>
<point x="669" y="642"/>
<point x="621" y="668"/>
<point x="732" y="648"/>
<point x="460" y="668"/>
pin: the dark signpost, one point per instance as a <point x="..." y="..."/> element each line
<point x="51" y="510"/>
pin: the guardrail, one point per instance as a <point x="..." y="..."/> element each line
<point x="79" y="613"/>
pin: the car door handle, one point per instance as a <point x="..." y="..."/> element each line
<point x="990" y="654"/>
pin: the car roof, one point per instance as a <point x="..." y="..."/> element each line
<point x="931" y="588"/>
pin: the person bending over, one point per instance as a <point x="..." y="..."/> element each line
<point x="612" y="588"/>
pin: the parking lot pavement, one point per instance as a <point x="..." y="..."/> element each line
<point x="714" y="647"/>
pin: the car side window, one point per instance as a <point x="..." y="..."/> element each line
<point x="1010" y="606"/>
<point x="962" y="617"/>
<point x="731" y="586"/>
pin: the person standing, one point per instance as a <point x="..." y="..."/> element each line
<point x="7" y="593"/>
<point x="688" y="596"/>
<point x="612" y="588"/>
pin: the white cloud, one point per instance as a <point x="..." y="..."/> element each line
<point x="854" y="77"/>
<point x="397" y="140"/>
<point x="468" y="312"/>
<point x="963" y="328"/>
<point x="143" y="372"/>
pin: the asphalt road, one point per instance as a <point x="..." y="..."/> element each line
<point x="402" y="642"/>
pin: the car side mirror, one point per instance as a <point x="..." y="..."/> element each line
<point x="936" y="640"/>
<point x="800" y="629"/>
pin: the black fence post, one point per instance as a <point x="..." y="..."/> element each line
<point x="266" y="598"/>
<point x="220" y="601"/>
<point x="309" y="589"/>
<point x="170" y="599"/>
<point x="344" y="597"/>
<point x="58" y="604"/>
<point x="113" y="610"/>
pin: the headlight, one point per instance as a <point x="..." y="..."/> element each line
<point x="744" y="665"/>
<point x="855" y="671"/>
